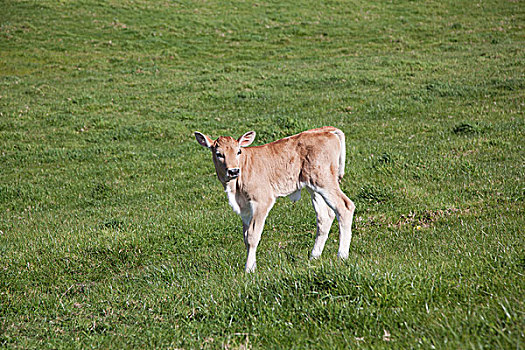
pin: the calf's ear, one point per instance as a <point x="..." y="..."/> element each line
<point x="203" y="140"/>
<point x="246" y="139"/>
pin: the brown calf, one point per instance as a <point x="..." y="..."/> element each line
<point x="254" y="177"/>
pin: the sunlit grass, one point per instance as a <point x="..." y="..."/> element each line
<point x="114" y="231"/>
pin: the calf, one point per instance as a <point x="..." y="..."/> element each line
<point x="254" y="177"/>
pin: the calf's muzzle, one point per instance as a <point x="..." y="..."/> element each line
<point x="233" y="173"/>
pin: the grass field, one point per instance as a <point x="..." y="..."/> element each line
<point x="115" y="233"/>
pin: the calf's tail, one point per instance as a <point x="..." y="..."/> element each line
<point x="342" y="153"/>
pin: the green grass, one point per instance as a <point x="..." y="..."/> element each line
<point x="115" y="233"/>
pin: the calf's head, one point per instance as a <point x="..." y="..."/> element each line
<point x="226" y="153"/>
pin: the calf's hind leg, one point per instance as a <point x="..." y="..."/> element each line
<point x="325" y="217"/>
<point x="344" y="210"/>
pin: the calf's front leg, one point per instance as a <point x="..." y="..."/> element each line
<point x="253" y="230"/>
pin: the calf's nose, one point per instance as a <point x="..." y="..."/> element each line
<point x="233" y="172"/>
